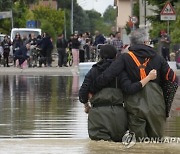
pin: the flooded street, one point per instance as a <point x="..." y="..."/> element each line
<point x="36" y="111"/>
<point x="41" y="107"/>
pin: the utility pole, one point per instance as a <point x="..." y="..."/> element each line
<point x="65" y="23"/>
<point x="145" y="13"/>
<point x="131" y="2"/>
<point x="12" y="20"/>
<point x="72" y="9"/>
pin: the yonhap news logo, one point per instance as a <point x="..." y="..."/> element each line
<point x="129" y="140"/>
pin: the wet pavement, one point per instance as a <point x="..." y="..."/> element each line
<point x="40" y="113"/>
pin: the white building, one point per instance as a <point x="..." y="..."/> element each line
<point x="124" y="12"/>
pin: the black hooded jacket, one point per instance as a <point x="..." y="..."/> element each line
<point x="96" y="70"/>
<point x="126" y="63"/>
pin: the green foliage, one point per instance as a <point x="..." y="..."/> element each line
<point x="155" y="32"/>
<point x="29" y="15"/>
<point x="129" y="23"/>
<point x="110" y="15"/>
<point x="65" y="4"/>
<point x="102" y="27"/>
<point x="5" y="26"/>
<point x="54" y="17"/>
<point x="175" y="35"/>
<point x="93" y="18"/>
<point x="128" y="29"/>
<point x="20" y="11"/>
<point x="5" y="5"/>
<point x="81" y="20"/>
<point x="158" y="25"/>
<point x="47" y="27"/>
<point x="136" y="10"/>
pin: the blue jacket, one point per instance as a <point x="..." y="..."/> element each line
<point x="22" y="52"/>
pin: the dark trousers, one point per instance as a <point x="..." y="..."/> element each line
<point x="48" y="57"/>
<point x="20" y="58"/>
<point x="62" y="57"/>
<point x="87" y="53"/>
<point x="6" y="58"/>
<point x="165" y="53"/>
<point x="81" y="55"/>
<point x="42" y="60"/>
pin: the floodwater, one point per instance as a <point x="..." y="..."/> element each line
<point x="41" y="107"/>
<point x="47" y="107"/>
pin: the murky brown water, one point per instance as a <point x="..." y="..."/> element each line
<point x="40" y="107"/>
<point x="48" y="107"/>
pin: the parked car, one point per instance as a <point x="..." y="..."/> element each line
<point x="25" y="31"/>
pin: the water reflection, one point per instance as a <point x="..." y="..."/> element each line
<point x="48" y="107"/>
<point x="41" y="106"/>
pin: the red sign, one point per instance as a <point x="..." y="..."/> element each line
<point x="168" y="9"/>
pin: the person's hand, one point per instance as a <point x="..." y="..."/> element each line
<point x="90" y="96"/>
<point x="87" y="108"/>
<point x="152" y="74"/>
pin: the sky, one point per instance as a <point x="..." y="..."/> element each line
<point x="98" y="5"/>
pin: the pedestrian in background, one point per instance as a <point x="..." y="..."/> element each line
<point x="117" y="42"/>
<point x="82" y="41"/>
<point x="17" y="44"/>
<point x="22" y="54"/>
<point x="47" y="48"/>
<point x="165" y="42"/>
<point x="61" y="45"/>
<point x="6" y="44"/>
<point x="75" y="50"/>
<point x="99" y="38"/>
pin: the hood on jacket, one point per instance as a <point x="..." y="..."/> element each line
<point x="142" y="50"/>
<point x="103" y="64"/>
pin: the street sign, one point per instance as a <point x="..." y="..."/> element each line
<point x="6" y="14"/>
<point x="168" y="12"/>
<point x="134" y="19"/>
<point x="31" y="24"/>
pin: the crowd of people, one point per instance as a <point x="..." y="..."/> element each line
<point x="27" y="50"/>
<point x="83" y="47"/>
<point x="37" y="50"/>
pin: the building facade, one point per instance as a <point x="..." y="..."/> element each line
<point x="52" y="3"/>
<point x="125" y="11"/>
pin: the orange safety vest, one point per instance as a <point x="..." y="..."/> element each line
<point x="140" y="66"/>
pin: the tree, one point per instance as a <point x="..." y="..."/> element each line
<point x="20" y="10"/>
<point x="27" y="2"/>
<point x="54" y="17"/>
<point x="109" y="15"/>
<point x="81" y="20"/>
<point x="65" y="4"/>
<point x="93" y="18"/>
<point x="175" y="35"/>
<point x="46" y="26"/>
<point x="5" y="5"/>
<point x="158" y="25"/>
